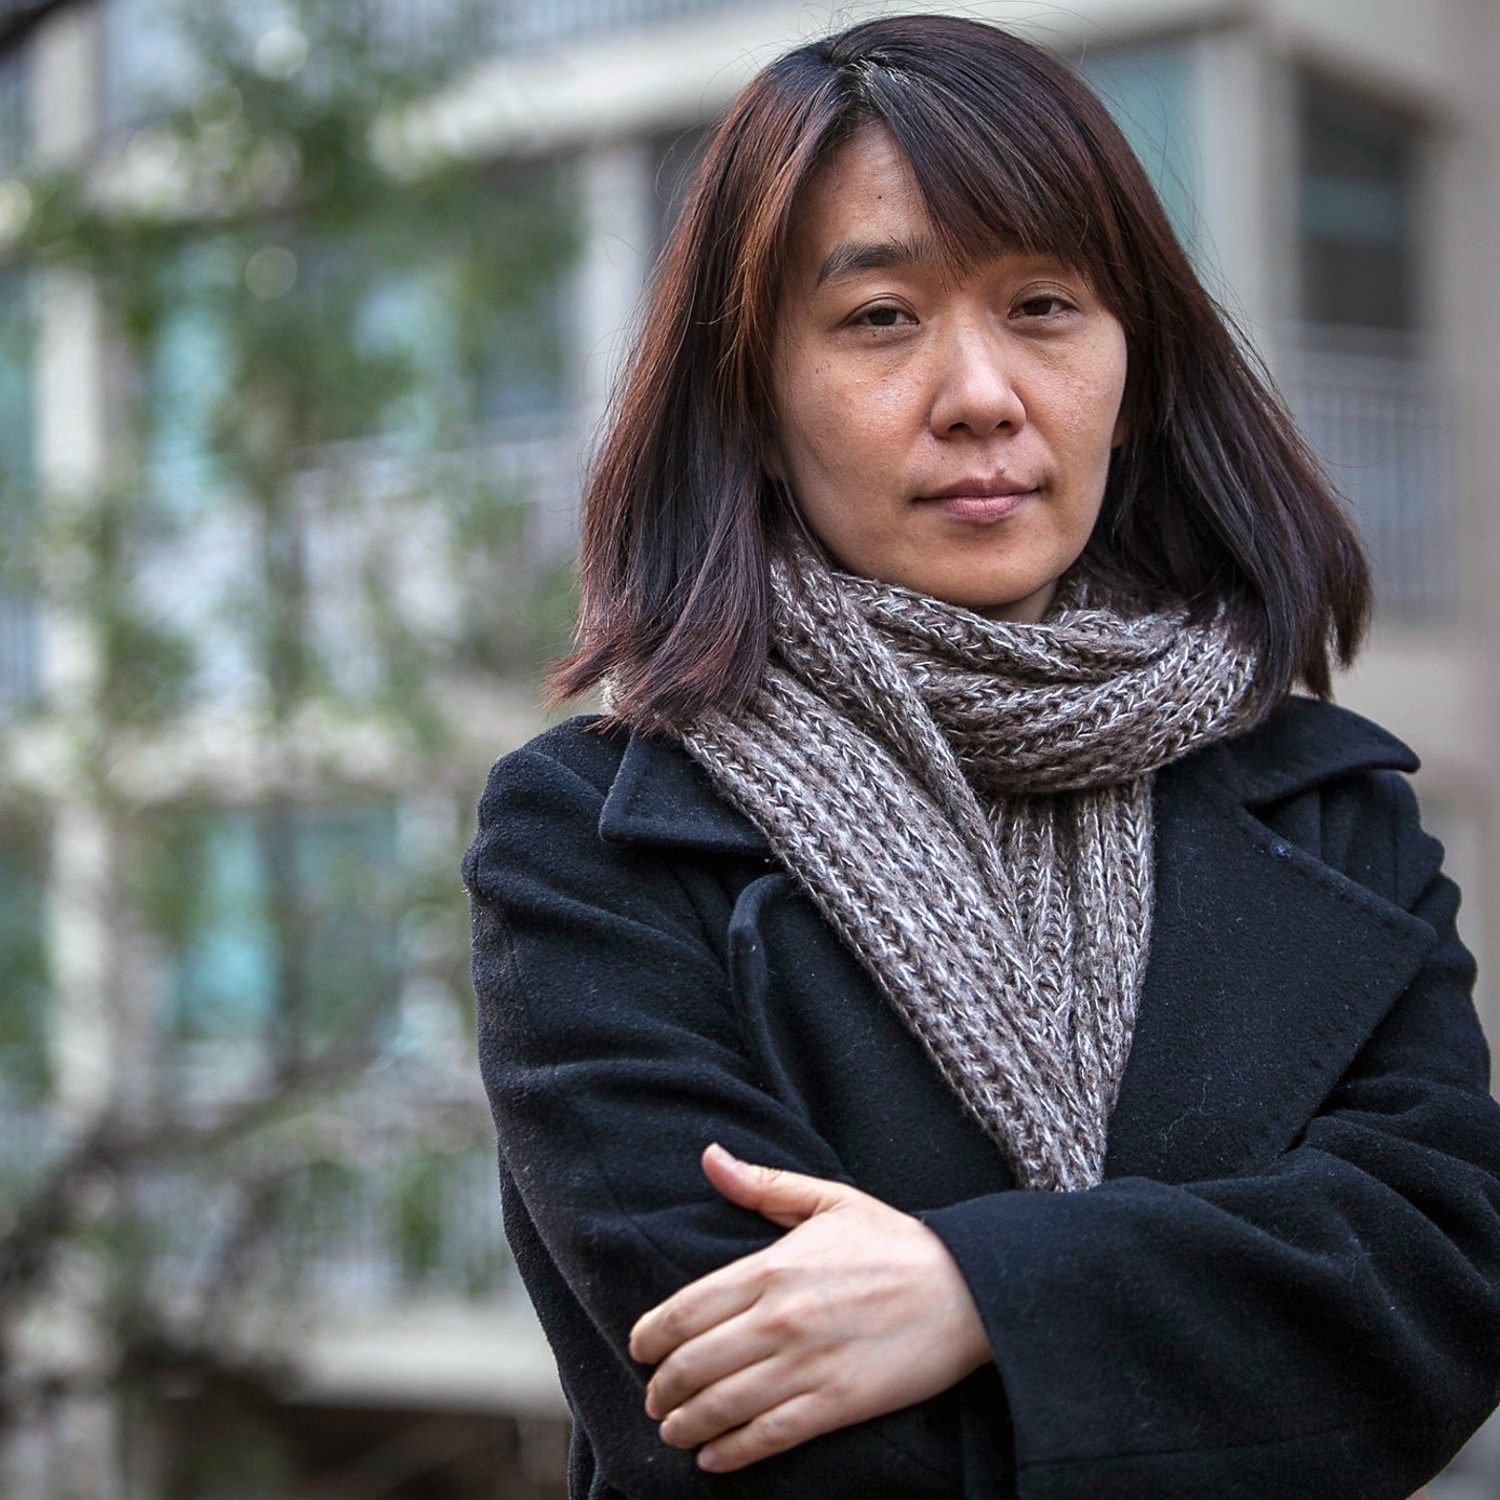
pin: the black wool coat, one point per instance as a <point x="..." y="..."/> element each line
<point x="1288" y="1284"/>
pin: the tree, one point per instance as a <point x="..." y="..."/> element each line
<point x="20" y="18"/>
<point x="289" y="583"/>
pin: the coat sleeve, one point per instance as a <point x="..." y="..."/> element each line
<point x="611" y="1055"/>
<point x="1325" y="1324"/>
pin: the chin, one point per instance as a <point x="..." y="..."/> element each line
<point x="1026" y="603"/>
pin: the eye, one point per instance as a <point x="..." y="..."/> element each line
<point x="1044" y="305"/>
<point x="882" y="315"/>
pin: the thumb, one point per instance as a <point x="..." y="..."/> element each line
<point x="785" y="1198"/>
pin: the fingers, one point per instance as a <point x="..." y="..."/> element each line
<point x="785" y="1198"/>
<point x="714" y="1407"/>
<point x="703" y="1362"/>
<point x="698" y="1307"/>
<point x="794" y="1421"/>
<point x="775" y="1347"/>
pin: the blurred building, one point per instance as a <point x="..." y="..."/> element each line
<point x="1334" y="166"/>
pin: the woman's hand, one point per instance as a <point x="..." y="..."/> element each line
<point x="858" y="1311"/>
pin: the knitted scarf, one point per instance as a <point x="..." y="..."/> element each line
<point x="968" y="802"/>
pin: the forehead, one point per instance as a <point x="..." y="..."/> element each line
<point x="864" y="194"/>
<point x="864" y="209"/>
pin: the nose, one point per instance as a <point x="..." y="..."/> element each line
<point x="975" y="389"/>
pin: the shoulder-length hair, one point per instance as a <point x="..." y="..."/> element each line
<point x="1213" y="500"/>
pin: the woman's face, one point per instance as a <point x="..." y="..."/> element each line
<point x="946" y="431"/>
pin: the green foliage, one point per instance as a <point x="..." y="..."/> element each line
<point x="520" y="606"/>
<point x="296" y="308"/>
<point x="24" y="1033"/>
<point x="276" y="924"/>
<point x="321" y="340"/>
<point x="424" y="1188"/>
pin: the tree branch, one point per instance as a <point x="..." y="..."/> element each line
<point x="19" y="18"/>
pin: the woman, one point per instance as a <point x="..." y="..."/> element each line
<point x="1083" y="1011"/>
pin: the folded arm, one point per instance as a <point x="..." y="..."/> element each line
<point x="1323" y="1324"/>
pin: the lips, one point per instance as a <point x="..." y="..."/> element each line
<point x="979" y="499"/>
<point x="978" y="487"/>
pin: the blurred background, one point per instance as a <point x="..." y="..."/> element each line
<point x="308" y="312"/>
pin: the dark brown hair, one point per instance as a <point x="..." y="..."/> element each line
<point x="1213" y="498"/>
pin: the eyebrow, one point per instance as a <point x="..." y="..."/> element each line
<point x="849" y="257"/>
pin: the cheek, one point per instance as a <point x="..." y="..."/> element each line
<point x="840" y="429"/>
<point x="1091" y="417"/>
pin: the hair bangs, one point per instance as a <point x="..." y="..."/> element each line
<point x="986" y="202"/>
<point x="1212" y="499"/>
<point x="1007" y="158"/>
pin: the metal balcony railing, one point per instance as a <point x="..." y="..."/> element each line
<point x="147" y="62"/>
<point x="420" y="1228"/>
<point x="1381" y="427"/>
<point x="370" y="1227"/>
<point x="530" y="23"/>
<point x="413" y="1215"/>
<point x="18" y="650"/>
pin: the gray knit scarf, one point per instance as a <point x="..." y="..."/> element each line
<point x="968" y="802"/>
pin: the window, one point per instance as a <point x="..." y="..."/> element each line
<point x="188" y="374"/>
<point x="677" y="158"/>
<point x="1368" y="393"/>
<point x="148" y="66"/>
<point x="15" y="107"/>
<point x="1152" y="92"/>
<point x="464" y="326"/>
<point x="520" y="380"/>
<point x="18" y="643"/>
<point x="461" y="336"/>
<point x="17" y="375"/>
<point x="278" y="925"/>
<point x="1356" y="212"/>
<point x="18" y="625"/>
<point x="511" y="302"/>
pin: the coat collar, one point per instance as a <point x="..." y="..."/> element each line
<point x="1268" y="969"/>
<point x="660" y="796"/>
<point x="1302" y="745"/>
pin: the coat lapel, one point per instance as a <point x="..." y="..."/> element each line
<point x="1268" y="971"/>
<point x="660" y="796"/>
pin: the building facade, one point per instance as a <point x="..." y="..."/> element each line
<point x="1333" y="167"/>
